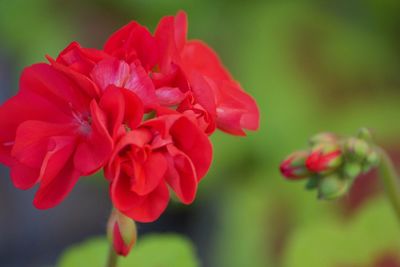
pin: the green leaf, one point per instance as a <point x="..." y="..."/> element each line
<point x="162" y="250"/>
<point x="372" y="232"/>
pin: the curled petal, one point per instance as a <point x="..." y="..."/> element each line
<point x="181" y="175"/>
<point x="80" y="59"/>
<point x="148" y="174"/>
<point x="145" y="208"/>
<point x="188" y="138"/>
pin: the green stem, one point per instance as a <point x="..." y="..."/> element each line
<point x="391" y="181"/>
<point x="112" y="257"/>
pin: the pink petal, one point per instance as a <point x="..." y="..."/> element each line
<point x="169" y="96"/>
<point x="110" y="72"/>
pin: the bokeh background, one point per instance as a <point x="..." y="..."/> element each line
<point x="312" y="66"/>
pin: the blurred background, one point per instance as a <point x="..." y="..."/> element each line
<point x="311" y="65"/>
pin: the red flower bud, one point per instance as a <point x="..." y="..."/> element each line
<point x="122" y="233"/>
<point x="294" y="167"/>
<point x="324" y="158"/>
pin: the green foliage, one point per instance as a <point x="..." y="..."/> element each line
<point x="331" y="242"/>
<point x="163" y="250"/>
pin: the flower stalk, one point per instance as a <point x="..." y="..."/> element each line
<point x="390" y="180"/>
<point x="112" y="259"/>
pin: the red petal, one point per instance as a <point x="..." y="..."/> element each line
<point x="32" y="141"/>
<point x="51" y="84"/>
<point x="56" y="158"/>
<point x="133" y="109"/>
<point x="148" y="175"/>
<point x="146" y="208"/>
<point x="52" y="191"/>
<point x="80" y="59"/>
<point x="181" y="175"/>
<point x="132" y="42"/>
<point x="133" y="77"/>
<point x="236" y="110"/>
<point x="113" y="105"/>
<point x="140" y="83"/>
<point x="82" y="81"/>
<point x="197" y="56"/>
<point x="22" y="176"/>
<point x="194" y="143"/>
<point x="94" y="150"/>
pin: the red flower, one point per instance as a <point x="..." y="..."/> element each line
<point x="52" y="132"/>
<point x="188" y="74"/>
<point x="211" y="85"/>
<point x="94" y="67"/>
<point x="167" y="150"/>
<point x="84" y="112"/>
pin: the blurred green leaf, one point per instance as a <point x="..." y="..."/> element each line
<point x="373" y="231"/>
<point x="166" y="250"/>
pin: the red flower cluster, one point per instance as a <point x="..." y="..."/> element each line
<point x="142" y="108"/>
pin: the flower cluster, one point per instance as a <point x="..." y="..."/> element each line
<point x="142" y="109"/>
<point x="332" y="163"/>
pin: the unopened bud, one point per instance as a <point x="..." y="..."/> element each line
<point x="323" y="138"/>
<point x="121" y="231"/>
<point x="352" y="169"/>
<point x="357" y="149"/>
<point x="332" y="187"/>
<point x="324" y="158"/>
<point x="294" y="166"/>
<point x="371" y="161"/>
<point x="365" y="134"/>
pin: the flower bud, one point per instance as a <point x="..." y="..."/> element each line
<point x="364" y="134"/>
<point x="121" y="231"/>
<point x="352" y="169"/>
<point x="324" y="158"/>
<point x="294" y="167"/>
<point x="332" y="187"/>
<point x="323" y="138"/>
<point x="357" y="149"/>
<point x="371" y="161"/>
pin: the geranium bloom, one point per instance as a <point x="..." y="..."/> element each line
<point x="84" y="111"/>
<point x="52" y="132"/>
<point x="168" y="150"/>
<point x="188" y="74"/>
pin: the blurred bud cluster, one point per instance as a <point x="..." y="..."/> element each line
<point x="332" y="163"/>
